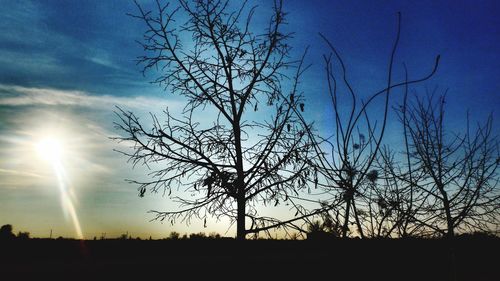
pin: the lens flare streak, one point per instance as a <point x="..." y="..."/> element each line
<point x="66" y="199"/>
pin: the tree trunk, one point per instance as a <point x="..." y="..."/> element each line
<point x="449" y="220"/>
<point x="446" y="205"/>
<point x="356" y="217"/>
<point x="241" y="201"/>
<point x="346" y="219"/>
<point x="240" y="223"/>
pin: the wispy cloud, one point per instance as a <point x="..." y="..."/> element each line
<point x="22" y="96"/>
<point x="103" y="58"/>
<point x="29" y="64"/>
<point x="20" y="14"/>
<point x="54" y="54"/>
<point x="19" y="173"/>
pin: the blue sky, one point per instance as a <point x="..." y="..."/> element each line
<point x="64" y="65"/>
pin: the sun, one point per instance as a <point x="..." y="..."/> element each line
<point x="50" y="149"/>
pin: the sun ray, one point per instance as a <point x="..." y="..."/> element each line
<point x="51" y="150"/>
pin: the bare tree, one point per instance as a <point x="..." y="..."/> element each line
<point x="460" y="180"/>
<point x="228" y="164"/>
<point x="393" y="203"/>
<point x="348" y="169"/>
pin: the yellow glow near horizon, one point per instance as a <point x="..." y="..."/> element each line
<point x="50" y="149"/>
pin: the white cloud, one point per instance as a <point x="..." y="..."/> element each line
<point x="19" y="96"/>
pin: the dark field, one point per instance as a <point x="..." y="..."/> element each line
<point x="463" y="259"/>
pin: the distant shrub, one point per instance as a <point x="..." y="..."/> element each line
<point x="213" y="235"/>
<point x="478" y="235"/>
<point x="174" y="235"/>
<point x="199" y="235"/>
<point x="23" y="235"/>
<point x="319" y="230"/>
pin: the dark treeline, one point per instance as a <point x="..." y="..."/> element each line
<point x="317" y="231"/>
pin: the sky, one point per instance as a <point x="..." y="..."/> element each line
<point x="65" y="65"/>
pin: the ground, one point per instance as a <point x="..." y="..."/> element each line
<point x="216" y="259"/>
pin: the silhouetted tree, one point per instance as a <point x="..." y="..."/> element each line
<point x="6" y="232"/>
<point x="233" y="160"/>
<point x="348" y="170"/>
<point x="397" y="202"/>
<point x="392" y="199"/>
<point x="459" y="169"/>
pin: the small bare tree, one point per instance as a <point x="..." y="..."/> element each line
<point x="460" y="181"/>
<point x="393" y="203"/>
<point x="231" y="162"/>
<point x="349" y="170"/>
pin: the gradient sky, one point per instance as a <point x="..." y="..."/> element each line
<point x="64" y="65"/>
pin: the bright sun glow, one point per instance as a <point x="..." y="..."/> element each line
<point x="50" y="149"/>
